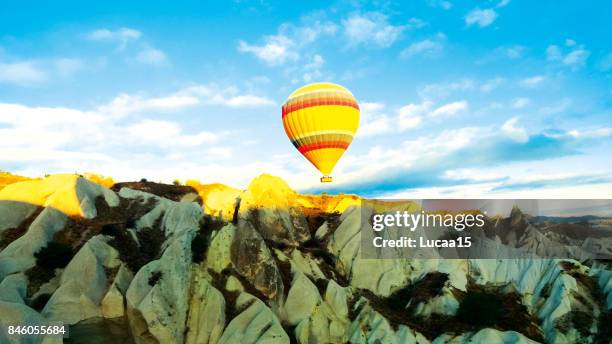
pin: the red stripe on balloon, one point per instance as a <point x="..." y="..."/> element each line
<point x="321" y="145"/>
<point x="287" y="109"/>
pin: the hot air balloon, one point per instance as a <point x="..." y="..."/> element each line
<point x="321" y="119"/>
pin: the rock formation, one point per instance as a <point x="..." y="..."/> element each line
<point x="213" y="264"/>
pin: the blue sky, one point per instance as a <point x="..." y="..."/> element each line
<point x="459" y="99"/>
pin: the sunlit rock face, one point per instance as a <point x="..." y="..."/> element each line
<point x="207" y="263"/>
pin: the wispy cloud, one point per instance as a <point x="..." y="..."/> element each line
<point x="34" y="72"/>
<point x="371" y="28"/>
<point x="532" y="81"/>
<point x="377" y="121"/>
<point x="572" y="55"/>
<point x="521" y="102"/>
<point x="21" y="73"/>
<point x="276" y="50"/>
<point x="559" y="107"/>
<point x="211" y="94"/>
<point x="166" y="133"/>
<point x="516" y="133"/>
<point x="431" y="157"/>
<point x="492" y="84"/>
<point x="449" y="109"/>
<point x="427" y="47"/>
<point x="121" y="36"/>
<point x="514" y="51"/>
<point x="445" y="89"/>
<point x="152" y="56"/>
<point x="444" y="4"/>
<point x="480" y="17"/>
<point x="287" y="45"/>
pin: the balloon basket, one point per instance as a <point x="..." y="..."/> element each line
<point x="326" y="179"/>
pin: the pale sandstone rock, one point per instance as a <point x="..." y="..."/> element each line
<point x="302" y="299"/>
<point x="206" y="313"/>
<point x="83" y="283"/>
<point x="487" y="335"/>
<point x="158" y="312"/>
<point x="255" y="324"/>
<point x="14" y="288"/>
<point x="218" y="256"/>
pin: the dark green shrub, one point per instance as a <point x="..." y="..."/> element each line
<point x="54" y="255"/>
<point x="199" y="245"/>
<point x="130" y="223"/>
<point x="40" y="301"/>
<point x="110" y="229"/>
<point x="480" y="309"/>
<point x="209" y="224"/>
<point x="155" y="277"/>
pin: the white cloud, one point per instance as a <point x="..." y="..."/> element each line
<point x="287" y="44"/>
<point x="276" y="50"/>
<point x="59" y="139"/>
<point x="449" y="109"/>
<point x="518" y="134"/>
<point x="125" y="104"/>
<point x="561" y="106"/>
<point x="166" y="133"/>
<point x="229" y="96"/>
<point x="443" y="90"/>
<point x="122" y="35"/>
<point x="68" y="66"/>
<point x="531" y="82"/>
<point x="491" y="84"/>
<point x="32" y="72"/>
<point x="411" y="115"/>
<point x="309" y="32"/>
<point x="519" y="103"/>
<point x="427" y="47"/>
<point x="151" y="56"/>
<point x="370" y="107"/>
<point x="375" y="122"/>
<point x="480" y="17"/>
<point x="575" y="57"/>
<point x="249" y="100"/>
<point x="371" y="28"/>
<point x="515" y="51"/>
<point x="591" y="133"/>
<point x="220" y="152"/>
<point x="312" y="69"/>
<point x="503" y="3"/>
<point x="416" y="23"/>
<point x="21" y="73"/>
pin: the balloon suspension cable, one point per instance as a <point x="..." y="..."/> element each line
<point x="326" y="179"/>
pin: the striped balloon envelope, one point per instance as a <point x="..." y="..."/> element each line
<point x="321" y="119"/>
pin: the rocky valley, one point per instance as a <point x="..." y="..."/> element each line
<point x="144" y="262"/>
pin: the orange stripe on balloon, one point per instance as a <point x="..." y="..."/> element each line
<point x="321" y="145"/>
<point x="287" y="109"/>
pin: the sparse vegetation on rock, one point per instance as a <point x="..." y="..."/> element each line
<point x="54" y="255"/>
